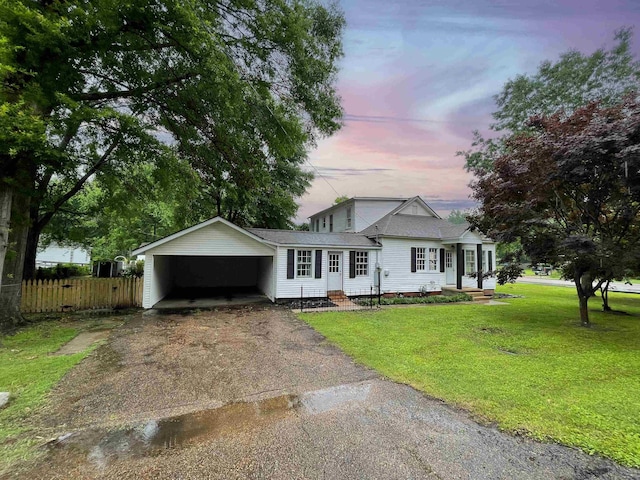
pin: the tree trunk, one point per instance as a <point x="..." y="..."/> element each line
<point x="584" y="287"/>
<point x="604" y="290"/>
<point x="30" y="252"/>
<point x="11" y="286"/>
<point x="6" y="195"/>
<point x="584" y="311"/>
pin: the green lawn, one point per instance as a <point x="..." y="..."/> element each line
<point x="29" y="372"/>
<point x="528" y="365"/>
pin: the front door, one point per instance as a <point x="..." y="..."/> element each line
<point x="449" y="268"/>
<point x="334" y="276"/>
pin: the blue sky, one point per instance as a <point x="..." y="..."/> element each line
<point x="419" y="76"/>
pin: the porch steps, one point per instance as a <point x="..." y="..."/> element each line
<point x="336" y="295"/>
<point x="476" y="294"/>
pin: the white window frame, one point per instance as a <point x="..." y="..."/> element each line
<point x="304" y="264"/>
<point x="349" y="212"/>
<point x="433" y="259"/>
<point x="421" y="259"/>
<point x="469" y="261"/>
<point x="362" y="263"/>
<point x="324" y="222"/>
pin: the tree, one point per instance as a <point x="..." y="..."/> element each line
<point x="340" y="199"/>
<point x="100" y="86"/>
<point x="457" y="217"/>
<point x="568" y="188"/>
<point x="573" y="81"/>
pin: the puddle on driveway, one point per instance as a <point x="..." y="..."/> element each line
<point x="101" y="447"/>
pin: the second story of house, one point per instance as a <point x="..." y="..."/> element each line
<point x="357" y="213"/>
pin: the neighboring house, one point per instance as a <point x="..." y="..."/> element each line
<point x="402" y="244"/>
<point x="55" y="254"/>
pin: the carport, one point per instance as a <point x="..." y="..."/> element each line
<point x="211" y="264"/>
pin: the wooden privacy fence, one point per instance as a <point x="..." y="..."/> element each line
<point x="80" y="294"/>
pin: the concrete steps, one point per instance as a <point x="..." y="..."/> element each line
<point x="476" y="294"/>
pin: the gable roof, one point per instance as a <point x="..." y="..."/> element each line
<point x="206" y="223"/>
<point x="412" y="200"/>
<point x="415" y="226"/>
<point x="344" y="202"/>
<point x="296" y="237"/>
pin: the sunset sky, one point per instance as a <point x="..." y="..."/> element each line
<point x="419" y="76"/>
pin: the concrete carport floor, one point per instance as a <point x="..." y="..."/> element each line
<point x="256" y="393"/>
<point x="212" y="281"/>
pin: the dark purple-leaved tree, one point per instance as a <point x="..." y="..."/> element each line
<point x="568" y="188"/>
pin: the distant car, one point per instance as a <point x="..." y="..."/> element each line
<point x="542" y="269"/>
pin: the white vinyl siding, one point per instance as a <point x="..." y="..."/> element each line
<point x="420" y="258"/>
<point x="397" y="276"/>
<point x="303" y="263"/>
<point x="433" y="260"/>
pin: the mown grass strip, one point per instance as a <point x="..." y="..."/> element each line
<point x="528" y="365"/>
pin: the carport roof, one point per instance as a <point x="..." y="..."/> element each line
<point x="294" y="237"/>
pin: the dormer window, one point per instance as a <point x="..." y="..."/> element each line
<point x="324" y="222"/>
<point x="348" y="217"/>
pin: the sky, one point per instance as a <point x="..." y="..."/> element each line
<point x="418" y="77"/>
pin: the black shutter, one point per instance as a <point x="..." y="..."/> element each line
<point x="413" y="259"/>
<point x="318" y="263"/>
<point x="352" y="264"/>
<point x="442" y="260"/>
<point x="290" y="262"/>
<point x="490" y="261"/>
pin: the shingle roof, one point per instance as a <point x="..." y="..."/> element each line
<point x="415" y="226"/>
<point x="295" y="237"/>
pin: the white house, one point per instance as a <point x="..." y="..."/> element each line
<point x="400" y="244"/>
<point x="54" y="254"/>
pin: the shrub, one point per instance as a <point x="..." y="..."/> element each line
<point x="459" y="297"/>
<point x="62" y="270"/>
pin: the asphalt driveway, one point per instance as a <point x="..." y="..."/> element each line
<point x="256" y="393"/>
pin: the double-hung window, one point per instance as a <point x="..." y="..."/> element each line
<point x="420" y="258"/>
<point x="433" y="259"/>
<point x="303" y="268"/>
<point x="348" y="217"/>
<point x="362" y="264"/>
<point x="324" y="222"/>
<point x="469" y="261"/>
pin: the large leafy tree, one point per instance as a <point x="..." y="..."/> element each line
<point x="242" y="88"/>
<point x="568" y="188"/>
<point x="572" y="82"/>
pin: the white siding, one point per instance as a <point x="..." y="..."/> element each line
<point x="396" y="260"/>
<point x="363" y="214"/>
<point x="161" y="280"/>
<point x="360" y="285"/>
<point x="147" y="281"/>
<point x="317" y="287"/>
<point x="370" y="211"/>
<point x="290" y="287"/>
<point x="55" y="254"/>
<point x="217" y="239"/>
<point x="265" y="276"/>
<point x="415" y="208"/>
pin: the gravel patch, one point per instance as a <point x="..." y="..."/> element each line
<point x="255" y="393"/>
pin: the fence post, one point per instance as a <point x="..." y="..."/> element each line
<point x="301" y="301"/>
<point x="371" y="296"/>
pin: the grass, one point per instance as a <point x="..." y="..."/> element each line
<point x="28" y="372"/>
<point x="528" y="366"/>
